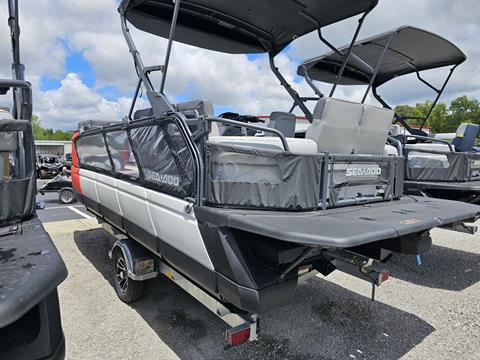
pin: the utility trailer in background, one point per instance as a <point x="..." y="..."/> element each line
<point x="61" y="184"/>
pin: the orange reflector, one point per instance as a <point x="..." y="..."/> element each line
<point x="238" y="335"/>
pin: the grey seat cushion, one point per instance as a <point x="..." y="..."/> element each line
<point x="335" y="125"/>
<point x="203" y="107"/>
<point x="345" y="127"/>
<point x="283" y="122"/>
<point x="373" y="130"/>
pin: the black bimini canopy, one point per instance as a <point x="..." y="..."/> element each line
<point x="410" y="50"/>
<point x="240" y="26"/>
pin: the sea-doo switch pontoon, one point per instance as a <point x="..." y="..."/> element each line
<point x="433" y="166"/>
<point x="242" y="217"/>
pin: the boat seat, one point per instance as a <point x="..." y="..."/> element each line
<point x="283" y="122"/>
<point x="427" y="146"/>
<point x="141" y="113"/>
<point x="373" y="130"/>
<point x="188" y="108"/>
<point x="417" y="159"/>
<point x="335" y="125"/>
<point x="297" y="146"/>
<point x="8" y="139"/>
<point x="8" y="144"/>
<point x="390" y="150"/>
<point x="465" y="137"/>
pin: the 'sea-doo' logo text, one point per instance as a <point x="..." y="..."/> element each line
<point x="162" y="178"/>
<point x="363" y="171"/>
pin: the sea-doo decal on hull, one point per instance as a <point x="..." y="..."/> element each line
<point x="162" y="178"/>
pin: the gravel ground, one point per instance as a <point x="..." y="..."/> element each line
<point x="427" y="312"/>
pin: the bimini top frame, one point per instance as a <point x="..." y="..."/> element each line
<point x="237" y="27"/>
<point x="377" y="60"/>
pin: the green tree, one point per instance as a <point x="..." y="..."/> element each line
<point x="462" y="110"/>
<point x="40" y="133"/>
<point x="443" y="118"/>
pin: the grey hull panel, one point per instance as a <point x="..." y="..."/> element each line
<point x="345" y="227"/>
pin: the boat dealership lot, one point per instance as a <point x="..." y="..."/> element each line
<point x="421" y="312"/>
<point x="56" y="211"/>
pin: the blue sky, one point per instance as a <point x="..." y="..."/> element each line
<point x="81" y="69"/>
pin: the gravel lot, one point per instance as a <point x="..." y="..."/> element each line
<point x="427" y="312"/>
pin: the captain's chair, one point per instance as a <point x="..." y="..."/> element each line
<point x="465" y="137"/>
<point x="283" y="122"/>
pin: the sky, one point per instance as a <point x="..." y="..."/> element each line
<point x="78" y="62"/>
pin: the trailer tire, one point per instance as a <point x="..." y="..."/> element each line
<point x="127" y="289"/>
<point x="66" y="196"/>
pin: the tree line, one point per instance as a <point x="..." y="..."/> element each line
<point x="443" y="119"/>
<point x="40" y="133"/>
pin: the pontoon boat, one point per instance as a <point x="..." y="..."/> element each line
<point x="434" y="167"/>
<point x="238" y="215"/>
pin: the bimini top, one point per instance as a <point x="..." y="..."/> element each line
<point x="410" y="50"/>
<point x="240" y="26"/>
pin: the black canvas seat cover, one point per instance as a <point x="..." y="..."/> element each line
<point x="18" y="194"/>
<point x="455" y="167"/>
<point x="249" y="177"/>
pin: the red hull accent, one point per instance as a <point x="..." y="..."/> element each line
<point x="75" y="166"/>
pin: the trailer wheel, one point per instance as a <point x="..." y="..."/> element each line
<point x="127" y="289"/>
<point x="66" y="196"/>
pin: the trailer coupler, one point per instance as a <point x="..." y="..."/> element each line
<point x="358" y="266"/>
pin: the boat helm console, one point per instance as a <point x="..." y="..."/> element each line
<point x="244" y="216"/>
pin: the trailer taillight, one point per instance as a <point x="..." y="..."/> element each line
<point x="384" y="275"/>
<point x="238" y="335"/>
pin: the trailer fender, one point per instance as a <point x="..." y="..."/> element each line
<point x="140" y="262"/>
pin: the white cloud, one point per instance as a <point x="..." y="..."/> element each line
<point x="74" y="102"/>
<point x="457" y="21"/>
<point x="93" y="27"/>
